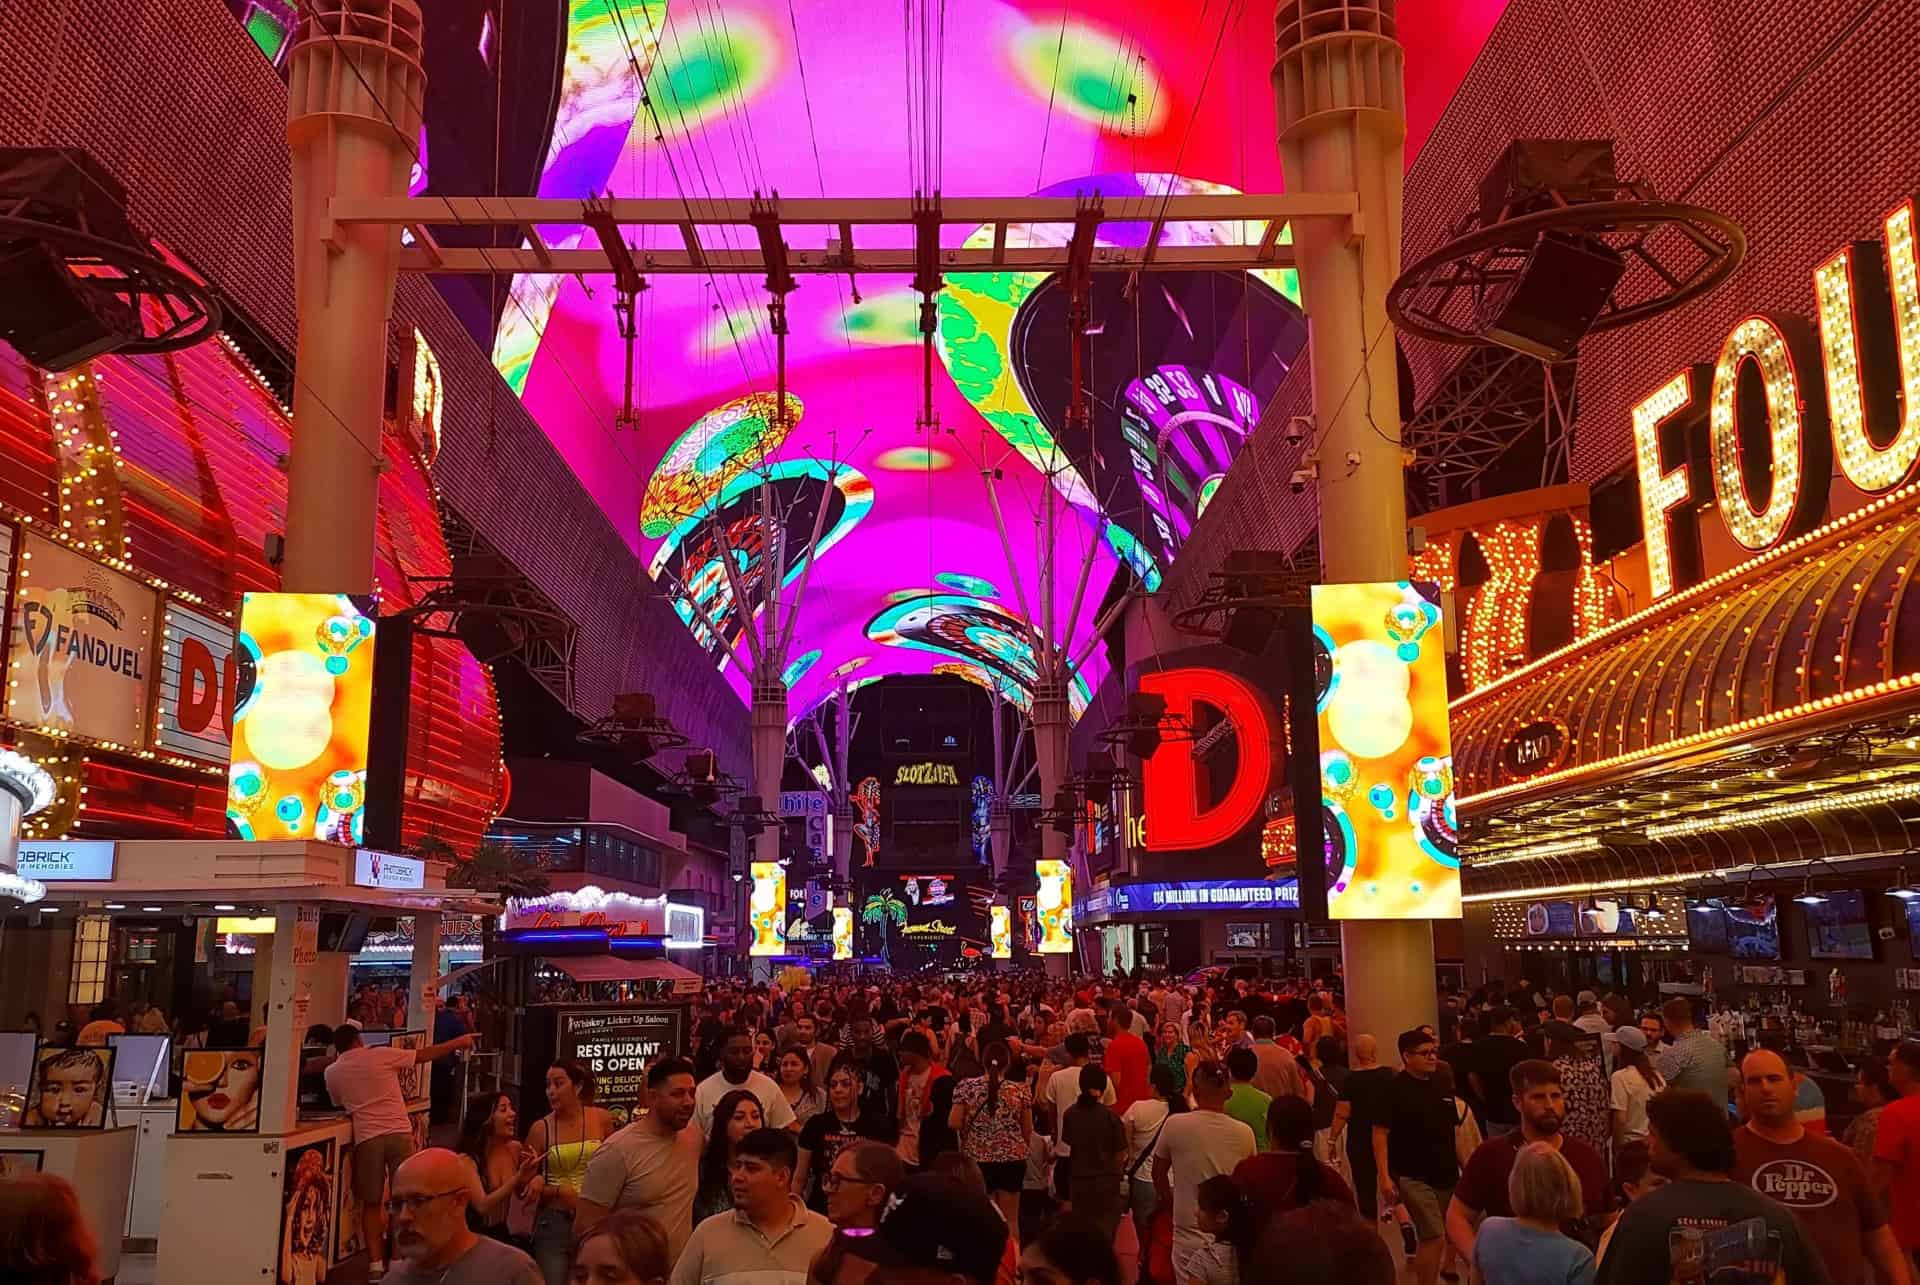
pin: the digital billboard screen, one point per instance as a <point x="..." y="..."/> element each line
<point x="1386" y="759"/>
<point x="302" y="705"/>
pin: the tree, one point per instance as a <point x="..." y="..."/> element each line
<point x="883" y="908"/>
<point x="496" y="867"/>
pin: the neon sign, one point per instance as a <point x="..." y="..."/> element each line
<point x="1173" y="817"/>
<point x="1820" y="404"/>
<point x="926" y="774"/>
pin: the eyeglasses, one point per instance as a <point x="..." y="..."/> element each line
<point x="831" y="1181"/>
<point x="1429" y="1051"/>
<point x="414" y="1204"/>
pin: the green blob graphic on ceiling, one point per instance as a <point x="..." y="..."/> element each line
<point x="706" y="69"/>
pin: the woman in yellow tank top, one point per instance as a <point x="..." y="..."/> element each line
<point x="563" y="1141"/>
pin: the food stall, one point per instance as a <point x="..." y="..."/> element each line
<point x="237" y="1140"/>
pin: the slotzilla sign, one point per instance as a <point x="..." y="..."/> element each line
<point x="926" y="774"/>
<point x="67" y="860"/>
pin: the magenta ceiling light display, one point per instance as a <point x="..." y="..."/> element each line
<point x="910" y="544"/>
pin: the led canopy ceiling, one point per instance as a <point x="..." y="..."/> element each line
<point x="890" y="520"/>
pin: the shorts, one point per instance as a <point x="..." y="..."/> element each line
<point x="1004" y="1175"/>
<point x="374" y="1160"/>
<point x="1428" y="1206"/>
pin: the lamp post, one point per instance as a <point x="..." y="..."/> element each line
<point x="1340" y="87"/>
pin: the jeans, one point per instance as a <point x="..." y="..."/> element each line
<point x="553" y="1243"/>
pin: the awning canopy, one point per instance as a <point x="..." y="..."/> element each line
<point x="613" y="968"/>
<point x="1818" y="633"/>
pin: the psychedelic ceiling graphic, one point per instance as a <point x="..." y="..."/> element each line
<point x="909" y="573"/>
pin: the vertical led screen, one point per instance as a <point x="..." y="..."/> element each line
<point x="1386" y="760"/>
<point x="302" y="702"/>
<point x="1054" y="906"/>
<point x="843" y="932"/>
<point x="1000" y="922"/>
<point x="768" y="908"/>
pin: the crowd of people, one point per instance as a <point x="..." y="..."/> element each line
<point x="1125" y="1132"/>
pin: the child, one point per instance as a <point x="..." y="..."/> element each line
<point x="1224" y="1214"/>
<point x="1633" y="1177"/>
<point x="72" y="1094"/>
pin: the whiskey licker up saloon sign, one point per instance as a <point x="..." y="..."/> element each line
<point x="1758" y="431"/>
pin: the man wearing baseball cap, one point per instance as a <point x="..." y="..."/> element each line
<point x="935" y="1231"/>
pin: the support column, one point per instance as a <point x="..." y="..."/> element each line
<point x="355" y="90"/>
<point x="295" y="951"/>
<point x="1050" y="751"/>
<point x="769" y="746"/>
<point x="422" y="995"/>
<point x="842" y="792"/>
<point x="1340" y="87"/>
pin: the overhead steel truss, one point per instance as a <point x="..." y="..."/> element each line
<point x="1493" y="400"/>
<point x="1030" y="234"/>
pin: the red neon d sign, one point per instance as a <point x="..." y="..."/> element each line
<point x="1170" y="778"/>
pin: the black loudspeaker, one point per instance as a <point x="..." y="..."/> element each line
<point x="1547" y="308"/>
<point x="1144" y="711"/>
<point x="53" y="318"/>
<point x="388" y="731"/>
<point x="1250" y="629"/>
<point x="750" y="815"/>
<point x="57" y="320"/>
<point x="1064" y="808"/>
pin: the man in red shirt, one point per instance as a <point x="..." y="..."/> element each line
<point x="1896" y="1146"/>
<point x="1125" y="1059"/>
<point x="1820" y="1181"/>
<point x="1482" y="1190"/>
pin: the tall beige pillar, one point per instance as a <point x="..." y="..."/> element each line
<point x="1050" y="752"/>
<point x="355" y="90"/>
<point x="1341" y="90"/>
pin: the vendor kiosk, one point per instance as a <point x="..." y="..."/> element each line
<point x="234" y="1178"/>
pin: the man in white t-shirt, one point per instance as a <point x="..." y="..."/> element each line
<point x="1194" y="1146"/>
<point x="736" y="1072"/>
<point x="365" y="1082"/>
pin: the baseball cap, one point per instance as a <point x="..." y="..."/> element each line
<point x="1587" y="997"/>
<point x="937" y="1222"/>
<point x="1631" y="1037"/>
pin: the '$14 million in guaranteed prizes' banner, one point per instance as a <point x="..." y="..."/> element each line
<point x="1386" y="757"/>
<point x="302" y="703"/>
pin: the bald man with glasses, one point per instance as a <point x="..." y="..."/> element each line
<point x="432" y="1242"/>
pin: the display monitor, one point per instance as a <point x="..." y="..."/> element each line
<point x="1605" y="917"/>
<point x="1753" y="927"/>
<point x="1552" y="919"/>
<point x="1707" y="928"/>
<point x="140" y="1067"/>
<point x="1913" y="927"/>
<point x="1386" y="758"/>
<point x="1839" y="927"/>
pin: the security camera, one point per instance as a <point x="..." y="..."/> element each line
<point x="1298" y="428"/>
<point x="1298" y="482"/>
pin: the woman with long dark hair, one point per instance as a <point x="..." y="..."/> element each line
<point x="565" y="1140"/>
<point x="1144" y="1120"/>
<point x="993" y="1116"/>
<point x="490" y="1145"/>
<point x="1286" y="1176"/>
<point x="794" y="1075"/>
<point x="735" y="1116"/>
<point x="1632" y="1086"/>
